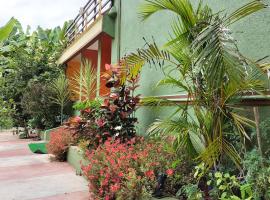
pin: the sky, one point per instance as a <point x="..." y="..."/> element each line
<point x="46" y="13"/>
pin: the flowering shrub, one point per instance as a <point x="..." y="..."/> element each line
<point x="114" y="118"/>
<point x="61" y="139"/>
<point x="126" y="170"/>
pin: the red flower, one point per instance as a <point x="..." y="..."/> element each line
<point x="121" y="174"/>
<point x="115" y="188"/>
<point x="149" y="173"/>
<point x="170" y="172"/>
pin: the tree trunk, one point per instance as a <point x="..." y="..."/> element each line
<point x="258" y="133"/>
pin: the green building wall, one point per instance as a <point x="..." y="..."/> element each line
<point x="252" y="34"/>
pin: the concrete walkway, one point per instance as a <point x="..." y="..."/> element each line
<point x="28" y="176"/>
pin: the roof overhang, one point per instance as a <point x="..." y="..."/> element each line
<point x="102" y="24"/>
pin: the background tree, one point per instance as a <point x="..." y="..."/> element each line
<point x="29" y="59"/>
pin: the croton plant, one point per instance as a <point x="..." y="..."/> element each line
<point x="112" y="118"/>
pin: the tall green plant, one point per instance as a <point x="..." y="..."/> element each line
<point x="211" y="72"/>
<point x="7" y="29"/>
<point x="83" y="83"/>
<point x="60" y="93"/>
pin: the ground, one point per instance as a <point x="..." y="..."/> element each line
<point x="28" y="176"/>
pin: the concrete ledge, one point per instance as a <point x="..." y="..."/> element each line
<point x="75" y="158"/>
<point x="46" y="135"/>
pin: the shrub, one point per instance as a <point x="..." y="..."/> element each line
<point x="257" y="174"/>
<point x="127" y="170"/>
<point x="115" y="118"/>
<point x="85" y="126"/>
<point x="61" y="139"/>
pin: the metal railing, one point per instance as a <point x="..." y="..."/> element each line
<point x="88" y="14"/>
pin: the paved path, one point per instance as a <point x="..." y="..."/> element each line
<point x="28" y="176"/>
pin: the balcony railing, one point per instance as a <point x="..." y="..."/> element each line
<point x="88" y="14"/>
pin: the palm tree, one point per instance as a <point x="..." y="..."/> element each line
<point x="212" y="72"/>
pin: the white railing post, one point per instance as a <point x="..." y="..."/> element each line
<point x="100" y="7"/>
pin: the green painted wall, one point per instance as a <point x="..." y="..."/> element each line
<point x="252" y="34"/>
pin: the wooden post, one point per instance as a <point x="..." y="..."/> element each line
<point x="258" y="133"/>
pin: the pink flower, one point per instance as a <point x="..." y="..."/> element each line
<point x="100" y="122"/>
<point x="107" y="67"/>
<point x="113" y="108"/>
<point x="170" y="172"/>
<point x="114" y="96"/>
<point x="88" y="110"/>
<point x="77" y="119"/>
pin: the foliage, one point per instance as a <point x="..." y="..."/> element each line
<point x="257" y="174"/>
<point x="118" y="110"/>
<point x="112" y="118"/>
<point x="191" y="192"/>
<point x="83" y="83"/>
<point x="265" y="131"/>
<point x="84" y="105"/>
<point x="29" y="58"/>
<point x="36" y="104"/>
<point x="203" y="61"/>
<point x="127" y="170"/>
<point x="6" y="110"/>
<point x="86" y="127"/>
<point x="61" y="139"/>
<point x="226" y="186"/>
<point x="60" y="93"/>
<point x="7" y="29"/>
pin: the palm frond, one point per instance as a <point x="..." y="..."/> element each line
<point x="245" y="10"/>
<point x="156" y="102"/>
<point x="173" y="82"/>
<point x="183" y="8"/>
<point x="240" y="122"/>
<point x="60" y="91"/>
<point x="217" y="56"/>
<point x="83" y="83"/>
<point x="152" y="55"/>
<point x="169" y="126"/>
